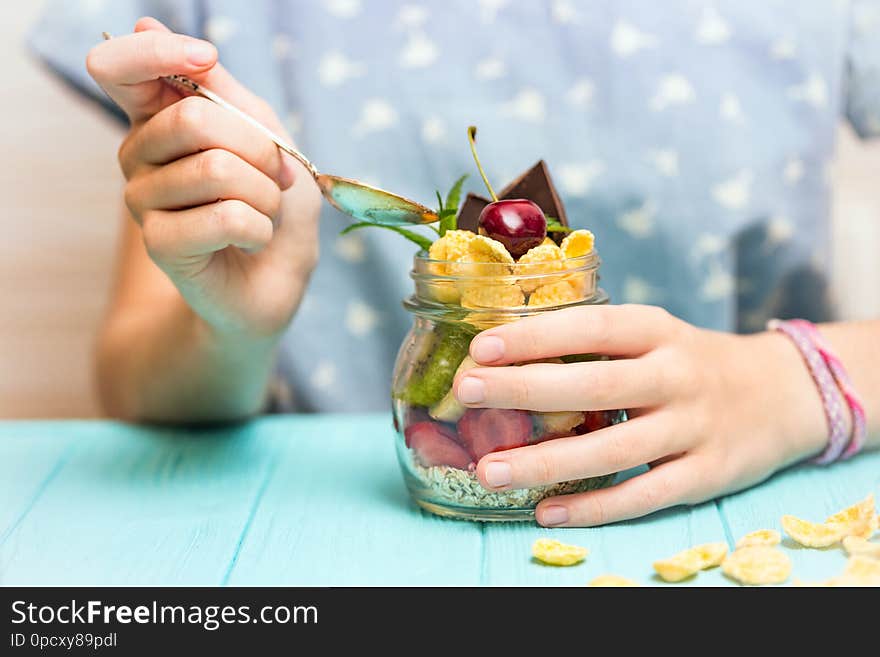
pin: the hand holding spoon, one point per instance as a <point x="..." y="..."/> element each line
<point x="359" y="200"/>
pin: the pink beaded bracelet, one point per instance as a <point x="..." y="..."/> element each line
<point x="844" y="383"/>
<point x="833" y="383"/>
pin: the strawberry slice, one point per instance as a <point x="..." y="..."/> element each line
<point x="485" y="430"/>
<point x="435" y="444"/>
<point x="414" y="415"/>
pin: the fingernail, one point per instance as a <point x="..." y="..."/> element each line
<point x="487" y="349"/>
<point x="554" y="515"/>
<point x="471" y="390"/>
<point x="199" y="53"/>
<point x="498" y="473"/>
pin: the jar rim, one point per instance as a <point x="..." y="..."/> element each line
<point x="437" y="310"/>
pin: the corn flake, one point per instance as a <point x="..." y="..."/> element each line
<point x="757" y="565"/>
<point x="541" y="260"/>
<point x="872" y="528"/>
<point x="612" y="581"/>
<point x="811" y="534"/>
<point x="766" y="537"/>
<point x="443" y="291"/>
<point x="545" y="252"/>
<point x="484" y="320"/>
<point x="554" y="553"/>
<point x="858" y="546"/>
<point x="452" y="247"/>
<point x="492" y="296"/>
<point x="485" y="249"/>
<point x="711" y="554"/>
<point x="861" y="571"/>
<point x="691" y="561"/>
<point x="558" y="423"/>
<point x="554" y="294"/>
<point x="858" y="520"/>
<point x="577" y="243"/>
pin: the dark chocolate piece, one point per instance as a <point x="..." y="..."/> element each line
<point x="469" y="214"/>
<point x="537" y="186"/>
<point x="534" y="184"/>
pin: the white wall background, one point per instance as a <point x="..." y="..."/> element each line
<point x="59" y="200"/>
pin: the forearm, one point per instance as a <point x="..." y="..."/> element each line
<point x="166" y="365"/>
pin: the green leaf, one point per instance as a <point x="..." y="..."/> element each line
<point x="439" y="202"/>
<point x="454" y="196"/>
<point x="448" y="221"/>
<point x="449" y="210"/>
<point x="553" y="226"/>
<point x="421" y="240"/>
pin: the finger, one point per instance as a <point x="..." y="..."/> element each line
<point x="171" y="236"/>
<point x="203" y="178"/>
<point x="672" y="483"/>
<point x="595" y="386"/>
<point x="627" y="330"/>
<point x="195" y="124"/>
<point x="606" y="451"/>
<point x="128" y="68"/>
<point x="149" y="23"/>
<point x="219" y="79"/>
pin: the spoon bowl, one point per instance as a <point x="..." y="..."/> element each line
<point x="367" y="203"/>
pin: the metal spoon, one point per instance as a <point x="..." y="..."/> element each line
<point x="359" y="200"/>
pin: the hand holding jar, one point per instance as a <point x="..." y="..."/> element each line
<point x="710" y="412"/>
<point x="510" y="390"/>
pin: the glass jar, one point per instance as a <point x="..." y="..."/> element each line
<point x="438" y="440"/>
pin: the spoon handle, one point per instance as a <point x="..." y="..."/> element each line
<point x="183" y="83"/>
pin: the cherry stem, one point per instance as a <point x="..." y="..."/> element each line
<point x="472" y="134"/>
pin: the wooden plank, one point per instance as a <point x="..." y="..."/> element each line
<point x="319" y="500"/>
<point x="809" y="492"/>
<point x="336" y="512"/>
<point x="30" y="460"/>
<point x="138" y="506"/>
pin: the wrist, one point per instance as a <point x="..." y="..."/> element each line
<point x="229" y="342"/>
<point x="216" y="375"/>
<point x="797" y="410"/>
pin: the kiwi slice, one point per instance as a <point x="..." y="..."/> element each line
<point x="432" y="378"/>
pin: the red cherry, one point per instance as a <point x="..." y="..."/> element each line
<point x="485" y="430"/>
<point x="435" y="444"/>
<point x="519" y="224"/>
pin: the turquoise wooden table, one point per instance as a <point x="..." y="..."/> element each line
<point x="318" y="500"/>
